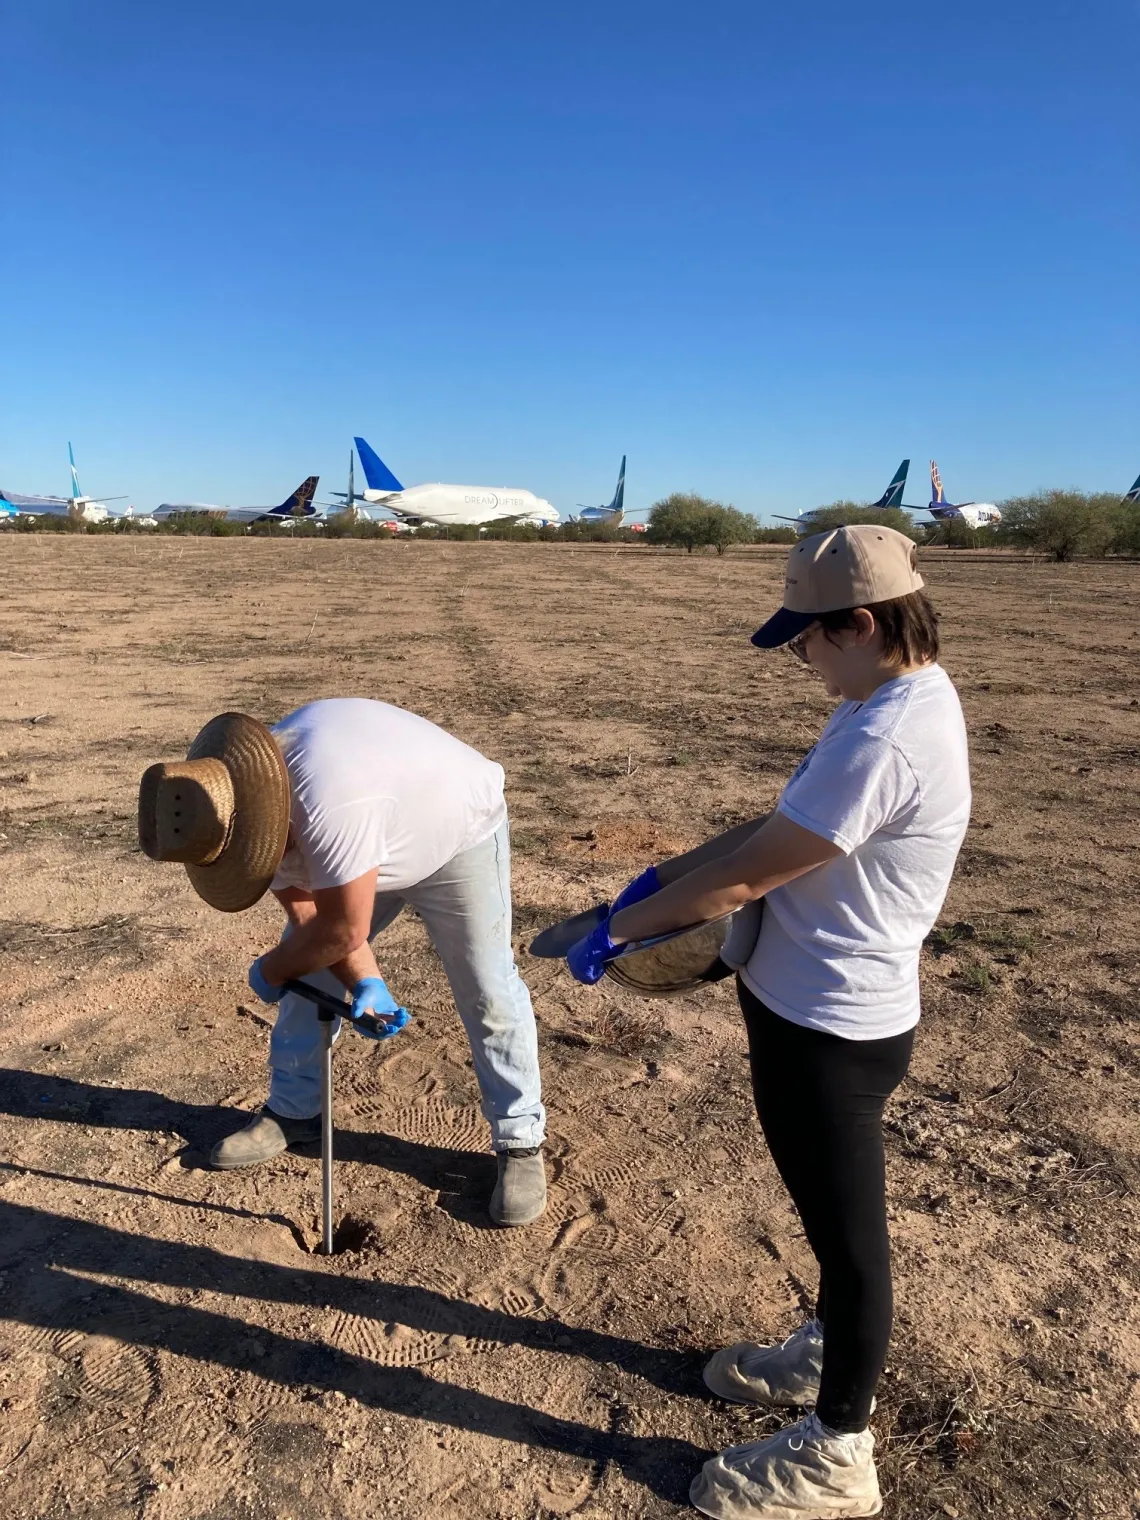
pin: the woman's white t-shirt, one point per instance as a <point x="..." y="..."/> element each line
<point x="374" y="785"/>
<point x="889" y="783"/>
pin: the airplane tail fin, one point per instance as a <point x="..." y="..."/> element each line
<point x="300" y="503"/>
<point x="376" y="472"/>
<point x="1134" y="493"/>
<point x="937" y="496"/>
<point x="617" y="506"/>
<point x="75" y="491"/>
<point x="893" y="495"/>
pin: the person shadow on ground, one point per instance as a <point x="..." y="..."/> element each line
<point x="48" y="1296"/>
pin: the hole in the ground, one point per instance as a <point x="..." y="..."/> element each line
<point x="353" y="1235"/>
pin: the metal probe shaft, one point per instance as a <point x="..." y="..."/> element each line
<point x="326" y="1137"/>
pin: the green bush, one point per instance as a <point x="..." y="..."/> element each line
<point x="786" y="535"/>
<point x="954" y="533"/>
<point x="48" y="522"/>
<point x="688" y="521"/>
<point x="1126" y="529"/>
<point x="844" y="514"/>
<point x="200" y="525"/>
<point x="1062" y="524"/>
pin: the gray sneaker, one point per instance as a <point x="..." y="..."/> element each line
<point x="520" y="1192"/>
<point x="267" y="1134"/>
<point x="784" y="1376"/>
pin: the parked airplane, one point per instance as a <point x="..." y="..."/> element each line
<point x="351" y="506"/>
<point x="891" y="497"/>
<point x="298" y="504"/>
<point x="612" y="514"/>
<point x="82" y="508"/>
<point x="1134" y="493"/>
<point x="354" y="508"/>
<point x="444" y="506"/>
<point x="975" y="514"/>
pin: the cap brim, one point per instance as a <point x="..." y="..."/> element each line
<point x="784" y="625"/>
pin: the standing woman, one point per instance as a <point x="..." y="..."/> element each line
<point x="853" y="865"/>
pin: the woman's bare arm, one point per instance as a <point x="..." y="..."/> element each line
<point x="768" y="857"/>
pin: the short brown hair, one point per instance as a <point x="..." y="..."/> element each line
<point x="909" y="626"/>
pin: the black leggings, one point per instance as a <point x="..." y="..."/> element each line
<point x="820" y="1100"/>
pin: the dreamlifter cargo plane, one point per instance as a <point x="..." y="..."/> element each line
<point x="443" y="506"/>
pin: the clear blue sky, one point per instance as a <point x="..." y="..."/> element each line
<point x="766" y="250"/>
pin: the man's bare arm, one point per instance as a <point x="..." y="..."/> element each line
<point x="776" y="853"/>
<point x="332" y="935"/>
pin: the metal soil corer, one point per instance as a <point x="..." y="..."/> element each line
<point x="329" y="1008"/>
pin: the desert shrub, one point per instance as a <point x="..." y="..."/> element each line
<point x="341" y="525"/>
<point x="954" y="533"/>
<point x="593" y="533"/>
<point x="201" y="525"/>
<point x="728" y="525"/>
<point x="1126" y="529"/>
<point x="679" y="520"/>
<point x="119" y="525"/>
<point x="786" y="535"/>
<point x="843" y="514"/>
<point x="47" y="522"/>
<point x="1061" y="524"/>
<point x="688" y="521"/>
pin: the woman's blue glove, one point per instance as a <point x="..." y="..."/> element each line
<point x="265" y="990"/>
<point x="371" y="995"/>
<point x="587" y="959"/>
<point x="639" y="889"/>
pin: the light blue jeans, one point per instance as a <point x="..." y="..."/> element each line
<point x="466" y="908"/>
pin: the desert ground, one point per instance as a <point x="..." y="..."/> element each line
<point x="171" y="1345"/>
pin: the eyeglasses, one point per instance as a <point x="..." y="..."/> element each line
<point x="798" y="645"/>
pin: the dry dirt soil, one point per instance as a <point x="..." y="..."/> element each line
<point x="172" y="1348"/>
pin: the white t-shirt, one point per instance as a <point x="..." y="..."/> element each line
<point x="374" y="785"/>
<point x="889" y="783"/>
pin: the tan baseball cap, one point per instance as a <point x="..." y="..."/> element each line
<point x="846" y="567"/>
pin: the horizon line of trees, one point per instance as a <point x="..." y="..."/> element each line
<point x="1062" y="524"/>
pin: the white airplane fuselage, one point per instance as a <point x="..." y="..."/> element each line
<point x="231" y="514"/>
<point x="975" y="514"/>
<point x="447" y="506"/>
<point x="81" y="508"/>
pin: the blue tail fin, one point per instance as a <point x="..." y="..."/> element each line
<point x="618" y="503"/>
<point x="300" y="503"/>
<point x="1134" y="493"/>
<point x="893" y="495"/>
<point x="376" y="472"/>
<point x="76" y="493"/>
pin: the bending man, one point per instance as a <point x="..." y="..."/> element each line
<point x="348" y="809"/>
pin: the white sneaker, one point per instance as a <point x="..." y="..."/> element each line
<point x="803" y="1473"/>
<point x="784" y="1376"/>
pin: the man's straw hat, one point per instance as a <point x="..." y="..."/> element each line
<point x="223" y="811"/>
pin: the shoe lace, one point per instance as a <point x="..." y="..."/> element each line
<point x="809" y="1428"/>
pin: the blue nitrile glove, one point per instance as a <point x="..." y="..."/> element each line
<point x="265" y="990"/>
<point x="639" y="889"/>
<point x="587" y="959"/>
<point x="371" y="995"/>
